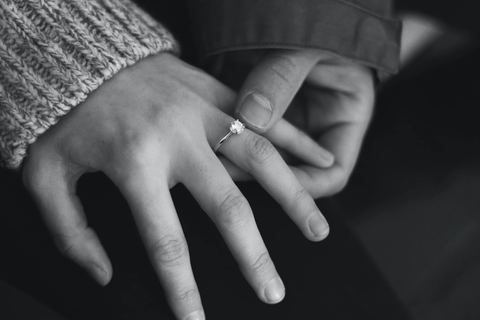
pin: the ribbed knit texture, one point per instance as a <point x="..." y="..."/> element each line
<point x="53" y="53"/>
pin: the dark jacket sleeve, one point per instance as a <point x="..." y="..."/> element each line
<point x="361" y="30"/>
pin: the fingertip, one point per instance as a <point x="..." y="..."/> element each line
<point x="323" y="158"/>
<point x="196" y="315"/>
<point x="274" y="291"/>
<point x="99" y="274"/>
<point x="327" y="158"/>
<point x="319" y="228"/>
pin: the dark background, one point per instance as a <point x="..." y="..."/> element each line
<point x="404" y="239"/>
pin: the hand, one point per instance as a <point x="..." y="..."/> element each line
<point x="330" y="98"/>
<point x="150" y="127"/>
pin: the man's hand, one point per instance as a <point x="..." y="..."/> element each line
<point x="330" y="98"/>
<point x="150" y="127"/>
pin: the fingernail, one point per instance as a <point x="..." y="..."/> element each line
<point x="275" y="291"/>
<point x="196" y="315"/>
<point x="98" y="274"/>
<point x="327" y="157"/>
<point x="318" y="226"/>
<point x="256" y="110"/>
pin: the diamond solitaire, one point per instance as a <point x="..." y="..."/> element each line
<point x="236" y="127"/>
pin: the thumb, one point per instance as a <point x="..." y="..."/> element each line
<point x="271" y="86"/>
<point x="63" y="215"/>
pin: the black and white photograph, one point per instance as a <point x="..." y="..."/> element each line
<point x="239" y="159"/>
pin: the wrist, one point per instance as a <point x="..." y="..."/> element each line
<point x="67" y="67"/>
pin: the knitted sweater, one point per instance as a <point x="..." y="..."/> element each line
<point x="53" y="53"/>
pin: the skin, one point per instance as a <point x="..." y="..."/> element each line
<point x="150" y="127"/>
<point x="327" y="97"/>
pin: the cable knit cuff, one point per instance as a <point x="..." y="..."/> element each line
<point x="53" y="53"/>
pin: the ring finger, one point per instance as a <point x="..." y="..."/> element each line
<point x="257" y="156"/>
<point x="212" y="187"/>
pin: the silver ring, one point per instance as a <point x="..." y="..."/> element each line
<point x="236" y="127"/>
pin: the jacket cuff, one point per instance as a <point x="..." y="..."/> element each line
<point x="53" y="53"/>
<point x="339" y="27"/>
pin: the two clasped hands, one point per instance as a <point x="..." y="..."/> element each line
<point x="154" y="124"/>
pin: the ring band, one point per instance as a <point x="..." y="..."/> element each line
<point x="236" y="127"/>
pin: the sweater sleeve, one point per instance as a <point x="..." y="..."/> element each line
<point x="53" y="53"/>
<point x="360" y="30"/>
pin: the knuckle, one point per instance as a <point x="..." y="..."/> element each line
<point x="186" y="294"/>
<point x="64" y="245"/>
<point x="134" y="142"/>
<point x="169" y="250"/>
<point x="300" y="196"/>
<point x="283" y="67"/>
<point x="259" y="150"/>
<point x="69" y="243"/>
<point x="262" y="263"/>
<point x="135" y="155"/>
<point x="233" y="210"/>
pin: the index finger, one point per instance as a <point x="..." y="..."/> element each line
<point x="288" y="137"/>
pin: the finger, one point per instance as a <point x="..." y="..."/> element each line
<point x="257" y="156"/>
<point x="62" y="211"/>
<point x="271" y="86"/>
<point x="342" y="123"/>
<point x="234" y="171"/>
<point x="344" y="141"/>
<point x="286" y="136"/>
<point x="214" y="190"/>
<point x="148" y="195"/>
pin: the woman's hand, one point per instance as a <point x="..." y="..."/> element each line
<point x="150" y="127"/>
